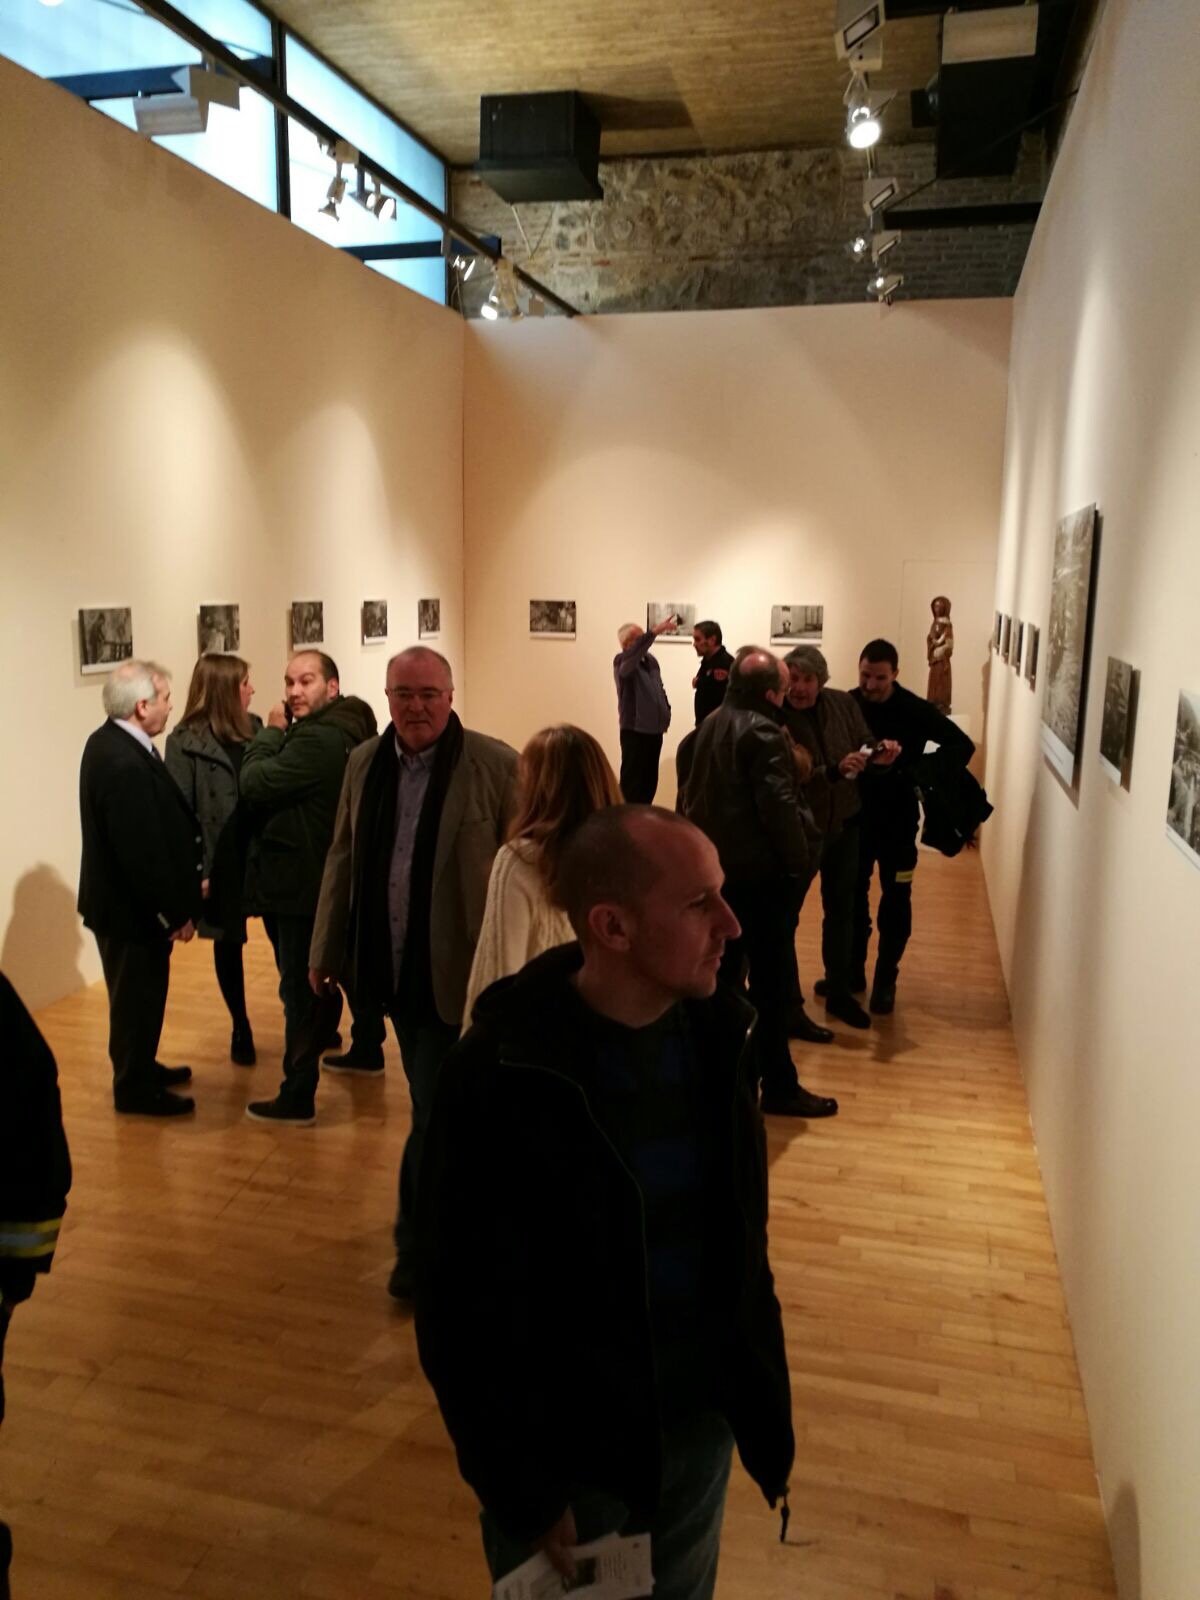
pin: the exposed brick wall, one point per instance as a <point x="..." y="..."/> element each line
<point x="749" y="229"/>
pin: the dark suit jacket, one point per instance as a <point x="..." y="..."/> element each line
<point x="143" y="855"/>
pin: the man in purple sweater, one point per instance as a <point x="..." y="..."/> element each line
<point x="643" y="710"/>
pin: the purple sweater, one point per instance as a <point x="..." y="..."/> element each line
<point x="642" y="704"/>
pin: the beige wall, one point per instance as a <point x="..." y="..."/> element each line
<point x="198" y="402"/>
<point x="839" y="455"/>
<point x="1098" y="916"/>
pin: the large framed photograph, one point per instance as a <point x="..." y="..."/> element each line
<point x="684" y="613"/>
<point x="308" y="623"/>
<point x="552" y="619"/>
<point x="1031" y="655"/>
<point x="374" y="622"/>
<point x="1183" y="802"/>
<point x="105" y="637"/>
<point x="429" y="619"/>
<point x="1117" y="720"/>
<point x="219" y="630"/>
<point x="797" y="624"/>
<point x="1069" y="644"/>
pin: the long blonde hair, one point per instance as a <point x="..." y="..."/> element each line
<point x="214" y="698"/>
<point x="563" y="777"/>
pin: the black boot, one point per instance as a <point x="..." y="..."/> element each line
<point x="802" y="1026"/>
<point x="241" y="1045"/>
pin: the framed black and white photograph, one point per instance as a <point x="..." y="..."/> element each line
<point x="308" y="623"/>
<point x="105" y="637"/>
<point x="219" y="630"/>
<point x="1018" y="654"/>
<point x="996" y="626"/>
<point x="1031" y="655"/>
<point x="374" y="622"/>
<point x="1183" y="802"/>
<point x="552" y="619"/>
<point x="1069" y="642"/>
<point x="1005" y="639"/>
<point x="1117" y="720"/>
<point x="797" y="624"/>
<point x="429" y="619"/>
<point x="684" y="613"/>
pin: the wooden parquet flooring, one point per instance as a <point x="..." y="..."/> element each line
<point x="212" y="1396"/>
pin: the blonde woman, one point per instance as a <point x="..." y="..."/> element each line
<point x="562" y="778"/>
<point x="204" y="756"/>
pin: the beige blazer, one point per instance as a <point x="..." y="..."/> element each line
<point x="475" y="817"/>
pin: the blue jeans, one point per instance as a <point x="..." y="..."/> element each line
<point x="423" y="1048"/>
<point x="307" y="1020"/>
<point x="685" y="1531"/>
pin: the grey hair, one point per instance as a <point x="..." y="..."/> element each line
<point x="807" y="658"/>
<point x="130" y="682"/>
<point x="414" y="650"/>
<point x="628" y="631"/>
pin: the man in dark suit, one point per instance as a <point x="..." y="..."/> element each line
<point x="139" y="880"/>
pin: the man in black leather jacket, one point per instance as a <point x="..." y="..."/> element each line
<point x="741" y="790"/>
<point x="595" y="1306"/>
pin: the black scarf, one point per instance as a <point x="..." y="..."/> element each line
<point x="371" y="938"/>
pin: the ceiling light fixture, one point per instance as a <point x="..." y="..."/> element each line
<point x="883" y="286"/>
<point x="883" y="242"/>
<point x="490" y="309"/>
<point x="859" y="246"/>
<point x="186" y="111"/>
<point x="863" y="127"/>
<point x="857" y="21"/>
<point x="334" y="195"/>
<point x="878" y="193"/>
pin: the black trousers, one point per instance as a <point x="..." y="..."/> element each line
<point x="895" y="854"/>
<point x="839" y="883"/>
<point x="640" y="754"/>
<point x="424" y="1045"/>
<point x="137" y="977"/>
<point x="767" y="910"/>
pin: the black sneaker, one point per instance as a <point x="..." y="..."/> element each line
<point x="241" y="1047"/>
<point x="800" y="1103"/>
<point x="367" y="1063"/>
<point x="883" y="999"/>
<point x="846" y="1009"/>
<point x="281" y="1110"/>
<point x="858" y="985"/>
<point x="155" y="1103"/>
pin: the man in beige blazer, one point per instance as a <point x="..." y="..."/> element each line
<point x="423" y="811"/>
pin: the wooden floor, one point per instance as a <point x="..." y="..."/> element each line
<point x="213" y="1396"/>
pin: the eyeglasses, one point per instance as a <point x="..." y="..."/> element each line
<point x="405" y="697"/>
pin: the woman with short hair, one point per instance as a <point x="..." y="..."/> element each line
<point x="563" y="776"/>
<point x="204" y="756"/>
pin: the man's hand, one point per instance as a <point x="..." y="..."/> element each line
<point x="667" y="625"/>
<point x="321" y="983"/>
<point x="851" y="765"/>
<point x="184" y="934"/>
<point x="204" y="885"/>
<point x="558" y="1543"/>
<point x="695" y="680"/>
<point x="886" y="754"/>
<point x="277" y="717"/>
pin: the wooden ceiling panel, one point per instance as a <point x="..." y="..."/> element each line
<point x="709" y="75"/>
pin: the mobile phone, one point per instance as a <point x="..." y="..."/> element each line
<point x="287" y="713"/>
<point x="871" y="749"/>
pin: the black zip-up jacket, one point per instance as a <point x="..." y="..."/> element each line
<point x="889" y="794"/>
<point x="739" y="786"/>
<point x="712" y="680"/>
<point x="533" y="1317"/>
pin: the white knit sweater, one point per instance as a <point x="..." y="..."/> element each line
<point x="518" y="922"/>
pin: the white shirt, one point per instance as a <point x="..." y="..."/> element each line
<point x="140" y="734"/>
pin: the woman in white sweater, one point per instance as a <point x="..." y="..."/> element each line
<point x="563" y="777"/>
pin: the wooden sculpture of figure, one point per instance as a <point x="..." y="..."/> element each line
<point x="939" y="647"/>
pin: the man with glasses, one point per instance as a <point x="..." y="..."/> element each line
<point x="422" y="813"/>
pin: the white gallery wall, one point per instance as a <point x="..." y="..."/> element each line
<point x="843" y="456"/>
<point x="198" y="403"/>
<point x="1098" y="915"/>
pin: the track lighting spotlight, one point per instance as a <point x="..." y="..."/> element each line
<point x="490" y="309"/>
<point x="334" y="195"/>
<point x="883" y="242"/>
<point x="859" y="246"/>
<point x="857" y="21"/>
<point x="187" y="111"/>
<point x="883" y="286"/>
<point x="878" y="193"/>
<point x="863" y="128"/>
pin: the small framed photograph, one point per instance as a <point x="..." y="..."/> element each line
<point x="684" y="613"/>
<point x="1031" y="656"/>
<point x="1117" y="720"/>
<point x="552" y="619"/>
<point x="1183" y="800"/>
<point x="374" y="622"/>
<point x="105" y="637"/>
<point x="1005" y="639"/>
<point x="996" y="625"/>
<point x="219" y="630"/>
<point x="429" y="619"/>
<point x="797" y="624"/>
<point x="1018" y="654"/>
<point x="308" y="623"/>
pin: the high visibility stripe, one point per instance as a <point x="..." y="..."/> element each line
<point x="23" y="1240"/>
<point x="905" y="877"/>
